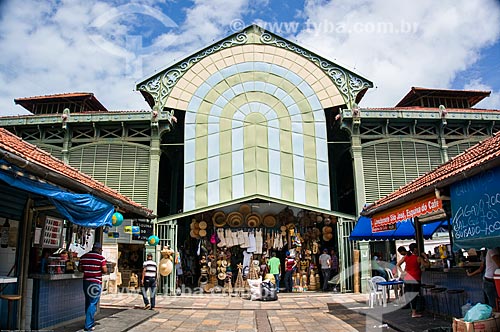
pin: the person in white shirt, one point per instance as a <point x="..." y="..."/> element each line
<point x="325" y="261"/>
<point x="148" y="281"/>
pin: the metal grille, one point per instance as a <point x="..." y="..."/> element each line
<point x="167" y="232"/>
<point x="123" y="167"/>
<point x="456" y="149"/>
<point x="390" y="164"/>
<point x="345" y="254"/>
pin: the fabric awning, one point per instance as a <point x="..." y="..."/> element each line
<point x="81" y="209"/>
<point x="404" y="230"/>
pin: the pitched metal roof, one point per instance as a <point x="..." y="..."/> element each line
<point x="14" y="149"/>
<point x="87" y="99"/>
<point x="478" y="158"/>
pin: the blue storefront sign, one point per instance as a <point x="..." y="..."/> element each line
<point x="475" y="205"/>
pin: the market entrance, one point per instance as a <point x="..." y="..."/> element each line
<point x="219" y="248"/>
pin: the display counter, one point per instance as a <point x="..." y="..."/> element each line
<point x="57" y="298"/>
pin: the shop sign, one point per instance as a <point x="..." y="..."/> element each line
<point x="475" y="206"/>
<point x="144" y="232"/>
<point x="387" y="220"/>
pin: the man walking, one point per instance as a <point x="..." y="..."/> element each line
<point x="274" y="269"/>
<point x="148" y="281"/>
<point x="93" y="265"/>
<point x="325" y="261"/>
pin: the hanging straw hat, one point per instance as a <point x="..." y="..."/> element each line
<point x="202" y="232"/>
<point x="327" y="236"/>
<point x="166" y="267"/>
<point x="327" y="229"/>
<point x="219" y="219"/>
<point x="245" y="209"/>
<point x="221" y="275"/>
<point x="327" y="220"/>
<point x="253" y="219"/>
<point x="202" y="224"/>
<point x="235" y="219"/>
<point x="269" y="220"/>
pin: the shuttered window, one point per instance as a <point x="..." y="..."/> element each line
<point x="124" y="168"/>
<point x="389" y="165"/>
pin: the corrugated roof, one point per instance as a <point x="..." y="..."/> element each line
<point x="87" y="100"/>
<point x="31" y="153"/>
<point x="482" y="156"/>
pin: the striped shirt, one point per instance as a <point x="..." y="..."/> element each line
<point x="92" y="264"/>
<point x="150" y="269"/>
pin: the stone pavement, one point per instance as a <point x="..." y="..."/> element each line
<point x="221" y="313"/>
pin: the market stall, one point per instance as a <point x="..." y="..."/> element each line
<point x="465" y="190"/>
<point x="49" y="220"/>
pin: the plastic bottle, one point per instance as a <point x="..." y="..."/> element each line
<point x="466" y="307"/>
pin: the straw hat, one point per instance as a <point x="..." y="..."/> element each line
<point x="327" y="229"/>
<point x="221" y="275"/>
<point x="269" y="220"/>
<point x="253" y="219"/>
<point x="290" y="226"/>
<point x="245" y="209"/>
<point x="327" y="236"/>
<point x="327" y="221"/>
<point x="219" y="219"/>
<point x="202" y="232"/>
<point x="202" y="224"/>
<point x="235" y="219"/>
<point x="166" y="267"/>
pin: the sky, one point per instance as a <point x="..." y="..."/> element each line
<point x="106" y="47"/>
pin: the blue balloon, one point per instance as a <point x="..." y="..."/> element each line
<point x="153" y="240"/>
<point x="117" y="219"/>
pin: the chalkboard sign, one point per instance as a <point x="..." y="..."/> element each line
<point x="146" y="230"/>
<point x="475" y="205"/>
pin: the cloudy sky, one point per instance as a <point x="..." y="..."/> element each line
<point x="105" y="47"/>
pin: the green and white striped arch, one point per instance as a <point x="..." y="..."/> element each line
<point x="255" y="127"/>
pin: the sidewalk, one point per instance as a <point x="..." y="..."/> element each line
<point x="303" y="312"/>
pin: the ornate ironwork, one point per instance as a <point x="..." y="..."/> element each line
<point x="160" y="86"/>
<point x="348" y="83"/>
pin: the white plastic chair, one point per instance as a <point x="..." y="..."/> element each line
<point x="375" y="294"/>
<point x="398" y="289"/>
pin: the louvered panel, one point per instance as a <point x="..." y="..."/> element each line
<point x="384" y="169"/>
<point x="435" y="156"/>
<point x="398" y="165"/>
<point x="422" y="156"/>
<point x="124" y="168"/>
<point x="55" y="151"/>
<point x="410" y="160"/>
<point x="370" y="174"/>
<point x="456" y="149"/>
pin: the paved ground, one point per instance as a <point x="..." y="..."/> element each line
<point x="220" y="313"/>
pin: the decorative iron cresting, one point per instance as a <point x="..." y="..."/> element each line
<point x="348" y="84"/>
<point x="160" y="86"/>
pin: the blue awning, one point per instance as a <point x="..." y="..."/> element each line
<point x="81" y="209"/>
<point x="404" y="230"/>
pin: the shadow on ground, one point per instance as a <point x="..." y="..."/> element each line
<point x="387" y="319"/>
<point x="78" y="325"/>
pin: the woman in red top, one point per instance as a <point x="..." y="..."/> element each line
<point x="411" y="276"/>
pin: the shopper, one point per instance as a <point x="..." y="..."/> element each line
<point x="325" y="262"/>
<point x="93" y="265"/>
<point x="488" y="265"/>
<point x="274" y="268"/>
<point x="149" y="273"/>
<point x="412" y="275"/>
<point x="290" y="265"/>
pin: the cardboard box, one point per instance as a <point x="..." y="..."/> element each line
<point x="488" y="325"/>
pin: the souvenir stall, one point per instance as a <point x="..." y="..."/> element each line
<point x="49" y="220"/>
<point x="226" y="247"/>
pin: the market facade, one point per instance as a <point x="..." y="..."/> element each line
<point x="254" y="134"/>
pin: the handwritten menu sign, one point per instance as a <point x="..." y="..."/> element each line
<point x="475" y="205"/>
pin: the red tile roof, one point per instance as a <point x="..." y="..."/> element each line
<point x="86" y="100"/>
<point x="32" y="154"/>
<point x="413" y="96"/>
<point x="480" y="157"/>
<point x="429" y="109"/>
